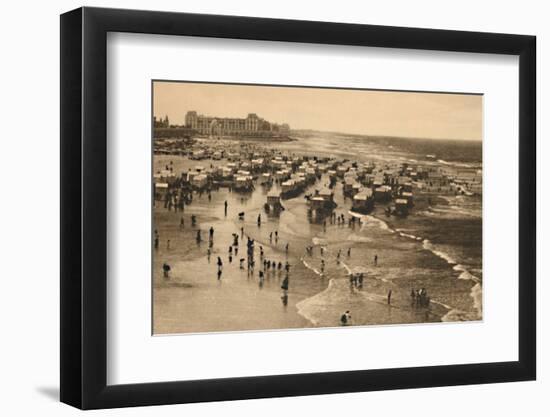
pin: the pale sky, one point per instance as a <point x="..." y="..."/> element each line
<point x="384" y="113"/>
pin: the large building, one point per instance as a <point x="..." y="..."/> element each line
<point x="252" y="125"/>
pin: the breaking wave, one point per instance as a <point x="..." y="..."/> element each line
<point x="426" y="244"/>
<point x="369" y="221"/>
<point x="407" y="235"/>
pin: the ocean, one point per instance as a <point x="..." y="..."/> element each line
<point x="438" y="246"/>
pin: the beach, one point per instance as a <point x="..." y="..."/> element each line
<point x="437" y="246"/>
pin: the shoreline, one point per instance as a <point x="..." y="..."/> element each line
<point x="307" y="288"/>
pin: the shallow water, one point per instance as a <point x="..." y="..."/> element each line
<point x="437" y="247"/>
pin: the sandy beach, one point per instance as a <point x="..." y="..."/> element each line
<point x="426" y="249"/>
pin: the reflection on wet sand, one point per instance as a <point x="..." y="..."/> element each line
<point x="257" y="238"/>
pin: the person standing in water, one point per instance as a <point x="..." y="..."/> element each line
<point x="389" y="297"/>
<point x="211" y="233"/>
<point x="199" y="237"/>
<point x="166" y="270"/>
<point x="208" y="253"/>
<point x="182" y="223"/>
<point x="375" y="260"/>
<point x="259" y="220"/>
<point x="220" y="264"/>
<point x="360" y="281"/>
<point x="225" y="207"/>
<point x="284" y="285"/>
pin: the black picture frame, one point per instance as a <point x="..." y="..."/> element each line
<point x="84" y="207"/>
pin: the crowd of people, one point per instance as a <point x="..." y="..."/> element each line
<point x="269" y="267"/>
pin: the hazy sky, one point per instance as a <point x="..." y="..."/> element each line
<point x="385" y="113"/>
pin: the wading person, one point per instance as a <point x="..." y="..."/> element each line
<point x="259" y="220"/>
<point x="199" y="237"/>
<point x="166" y="270"/>
<point x="375" y="260"/>
<point x="389" y="297"/>
<point x="211" y="233"/>
<point x="284" y="285"/>
<point x="220" y="264"/>
<point x="225" y="207"/>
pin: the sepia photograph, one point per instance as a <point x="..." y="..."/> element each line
<point x="291" y="207"/>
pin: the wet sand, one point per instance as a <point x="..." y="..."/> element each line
<point x="193" y="299"/>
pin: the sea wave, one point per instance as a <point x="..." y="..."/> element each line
<point x="370" y="221"/>
<point x="475" y="293"/>
<point x="456" y="211"/>
<point x="426" y="244"/>
<point x="465" y="274"/>
<point x="407" y="235"/>
<point x="460" y="315"/>
<point x="311" y="268"/>
<point x="324" y="308"/>
<point x="456" y="164"/>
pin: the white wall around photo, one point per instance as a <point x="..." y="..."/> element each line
<point x="29" y="221"/>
